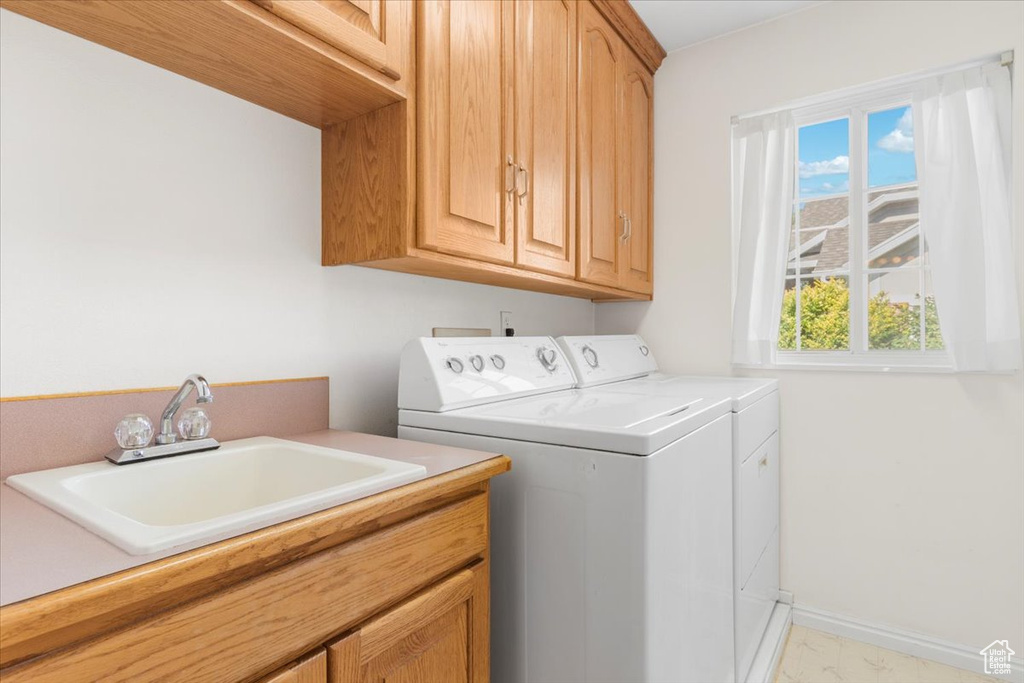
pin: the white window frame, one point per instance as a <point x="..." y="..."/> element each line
<point x="857" y="107"/>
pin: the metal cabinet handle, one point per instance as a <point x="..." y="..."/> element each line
<point x="511" y="178"/>
<point x="625" y="234"/>
<point x="526" y="183"/>
<point x="629" y="228"/>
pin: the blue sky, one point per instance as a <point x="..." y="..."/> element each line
<point x="825" y="155"/>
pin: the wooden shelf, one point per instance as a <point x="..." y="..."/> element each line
<point x="231" y="45"/>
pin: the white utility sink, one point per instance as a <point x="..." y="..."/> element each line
<point x="146" y="507"/>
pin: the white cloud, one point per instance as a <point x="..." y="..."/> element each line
<point x="901" y="139"/>
<point x="826" y="188"/>
<point x="809" y="169"/>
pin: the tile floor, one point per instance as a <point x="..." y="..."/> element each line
<point x="815" y="657"/>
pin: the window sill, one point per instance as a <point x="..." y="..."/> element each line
<point x="882" y="363"/>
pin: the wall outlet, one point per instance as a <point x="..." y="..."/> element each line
<point x="505" y="330"/>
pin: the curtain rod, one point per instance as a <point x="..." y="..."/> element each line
<point x="1004" y="58"/>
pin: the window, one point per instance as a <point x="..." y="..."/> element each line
<point x="857" y="288"/>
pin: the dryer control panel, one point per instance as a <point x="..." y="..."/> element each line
<point x="444" y="373"/>
<point x="607" y="358"/>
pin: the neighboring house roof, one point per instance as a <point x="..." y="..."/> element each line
<point x="893" y="216"/>
<point x="824" y="212"/>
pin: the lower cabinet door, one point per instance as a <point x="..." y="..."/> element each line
<point x="440" y="634"/>
<point x="310" y="669"/>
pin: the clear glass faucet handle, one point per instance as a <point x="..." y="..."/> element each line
<point x="134" y="431"/>
<point x="194" y="423"/>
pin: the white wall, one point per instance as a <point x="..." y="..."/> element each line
<point x="901" y="494"/>
<point x="152" y="227"/>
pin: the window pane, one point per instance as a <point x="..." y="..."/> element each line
<point x="932" y="333"/>
<point x="891" y="147"/>
<point x="824" y="158"/>
<point x="893" y="227"/>
<point x="894" y="310"/>
<point x="787" y="320"/>
<point x="824" y="314"/>
<point x="824" y="235"/>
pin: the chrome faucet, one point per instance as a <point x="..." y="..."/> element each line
<point x="167" y="442"/>
<point x="167" y="434"/>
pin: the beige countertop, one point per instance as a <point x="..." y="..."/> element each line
<point x="42" y="551"/>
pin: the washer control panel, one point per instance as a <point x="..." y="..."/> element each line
<point x="607" y="358"/>
<point x="444" y="373"/>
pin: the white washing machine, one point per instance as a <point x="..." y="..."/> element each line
<point x="624" y="363"/>
<point x="612" y="550"/>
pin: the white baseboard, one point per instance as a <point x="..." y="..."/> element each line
<point x="907" y="642"/>
<point x="769" y="652"/>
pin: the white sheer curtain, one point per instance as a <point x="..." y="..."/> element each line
<point x="763" y="169"/>
<point x="962" y="141"/>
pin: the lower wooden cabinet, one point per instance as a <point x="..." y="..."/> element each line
<point x="310" y="669"/>
<point x="410" y="601"/>
<point x="439" y="635"/>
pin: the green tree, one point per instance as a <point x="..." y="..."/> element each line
<point x="932" y="333"/>
<point x="893" y="325"/>
<point x="825" y="320"/>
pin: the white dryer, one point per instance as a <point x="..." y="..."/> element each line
<point x="612" y="535"/>
<point x="624" y="363"/>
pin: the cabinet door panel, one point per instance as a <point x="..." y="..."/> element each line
<point x="600" y="203"/>
<point x="545" y="134"/>
<point x="465" y="135"/>
<point x="356" y="27"/>
<point x="637" y="255"/>
<point x="441" y="634"/>
<point x="309" y="669"/>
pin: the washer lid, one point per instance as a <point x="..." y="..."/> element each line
<point x="591" y="418"/>
<point x="743" y="392"/>
<point x="599" y="359"/>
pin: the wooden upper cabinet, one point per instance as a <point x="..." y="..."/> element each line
<point x="545" y="113"/>
<point x="637" y="154"/>
<point x="364" y="29"/>
<point x="464" y="85"/>
<point x="601" y="215"/>
<point x="440" y="634"/>
<point x="310" y="669"/>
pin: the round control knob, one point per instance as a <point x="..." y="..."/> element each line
<point x="498" y="361"/>
<point x="477" y="362"/>
<point x="454" y="364"/>
<point x="547" y="358"/>
<point x="590" y="355"/>
<point x="644" y="350"/>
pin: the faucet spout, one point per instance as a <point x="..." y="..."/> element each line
<point x="203" y="395"/>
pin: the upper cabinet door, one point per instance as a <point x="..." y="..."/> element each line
<point x="545" y="94"/>
<point x="365" y="29"/>
<point x="637" y="154"/>
<point x="601" y="212"/>
<point x="464" y="85"/>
